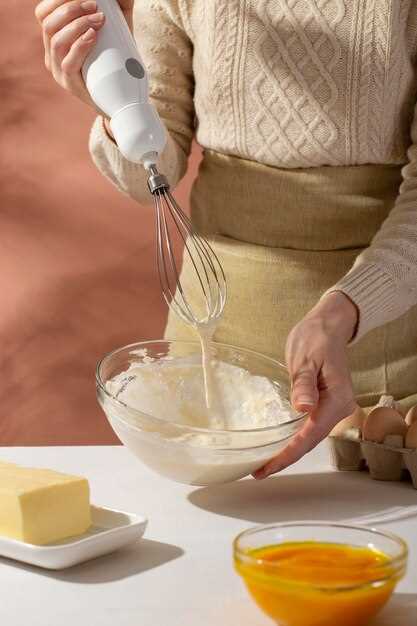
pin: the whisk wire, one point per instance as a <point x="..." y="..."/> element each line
<point x="204" y="248"/>
<point x="163" y="232"/>
<point x="214" y="276"/>
<point x="191" y="235"/>
<point x="204" y="261"/>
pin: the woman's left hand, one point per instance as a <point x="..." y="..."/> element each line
<point x="316" y="356"/>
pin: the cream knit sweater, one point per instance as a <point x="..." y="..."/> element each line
<point x="290" y="84"/>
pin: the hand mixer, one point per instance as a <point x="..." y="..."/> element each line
<point x="117" y="82"/>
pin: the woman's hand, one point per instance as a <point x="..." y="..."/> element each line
<point x="69" y="31"/>
<point x="321" y="384"/>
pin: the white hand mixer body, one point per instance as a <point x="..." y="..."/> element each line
<point x="118" y="84"/>
<point x="116" y="79"/>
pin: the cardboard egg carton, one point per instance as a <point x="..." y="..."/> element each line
<point x="384" y="461"/>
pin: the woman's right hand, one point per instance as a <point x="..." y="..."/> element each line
<point x="69" y="31"/>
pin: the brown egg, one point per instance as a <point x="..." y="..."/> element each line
<point x="411" y="436"/>
<point x="411" y="416"/>
<point x="398" y="407"/>
<point x="355" y="420"/>
<point x="383" y="421"/>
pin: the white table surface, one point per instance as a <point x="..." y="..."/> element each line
<point x="181" y="574"/>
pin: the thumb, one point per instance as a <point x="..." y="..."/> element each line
<point x="305" y="394"/>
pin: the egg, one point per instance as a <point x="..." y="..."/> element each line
<point x="354" y="421"/>
<point x="383" y="421"/>
<point x="401" y="409"/>
<point x="411" y="416"/>
<point x="411" y="436"/>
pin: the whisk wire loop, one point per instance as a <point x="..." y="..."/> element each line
<point x="166" y="262"/>
<point x="173" y="225"/>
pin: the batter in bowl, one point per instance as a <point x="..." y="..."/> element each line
<point x="173" y="389"/>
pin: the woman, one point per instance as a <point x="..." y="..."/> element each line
<point x="305" y="113"/>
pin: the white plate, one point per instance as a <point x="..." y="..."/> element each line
<point x="110" y="531"/>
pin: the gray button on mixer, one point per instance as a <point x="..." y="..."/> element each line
<point x="134" y="68"/>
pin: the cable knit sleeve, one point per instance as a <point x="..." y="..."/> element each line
<point x="167" y="53"/>
<point x="383" y="280"/>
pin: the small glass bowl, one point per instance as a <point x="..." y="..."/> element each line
<point x="292" y="602"/>
<point x="187" y="454"/>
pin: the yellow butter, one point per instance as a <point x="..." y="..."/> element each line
<point x="41" y="506"/>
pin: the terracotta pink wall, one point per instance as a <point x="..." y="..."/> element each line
<point x="76" y="257"/>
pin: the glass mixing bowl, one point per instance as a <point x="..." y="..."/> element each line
<point x="184" y="453"/>
<point x="280" y="586"/>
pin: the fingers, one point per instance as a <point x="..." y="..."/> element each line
<point x="321" y="386"/>
<point x="46" y="7"/>
<point x="336" y="401"/>
<point x="333" y="407"/>
<point x="65" y="14"/>
<point x="68" y="35"/>
<point x="304" y="365"/>
<point x="63" y="39"/>
<point x="47" y="51"/>
<point x="74" y="60"/>
<point x="305" y="395"/>
<point x="69" y="32"/>
<point x="308" y="437"/>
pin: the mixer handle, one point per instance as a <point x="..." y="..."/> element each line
<point x="116" y="79"/>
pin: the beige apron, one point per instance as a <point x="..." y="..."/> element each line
<point x="284" y="237"/>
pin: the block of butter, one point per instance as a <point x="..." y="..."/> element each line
<point x="40" y="506"/>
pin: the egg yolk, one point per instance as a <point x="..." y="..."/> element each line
<point x="318" y="584"/>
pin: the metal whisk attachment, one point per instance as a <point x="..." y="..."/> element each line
<point x="201" y="301"/>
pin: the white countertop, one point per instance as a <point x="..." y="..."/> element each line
<point x="181" y="574"/>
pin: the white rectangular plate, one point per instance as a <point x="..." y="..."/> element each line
<point x="109" y="531"/>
